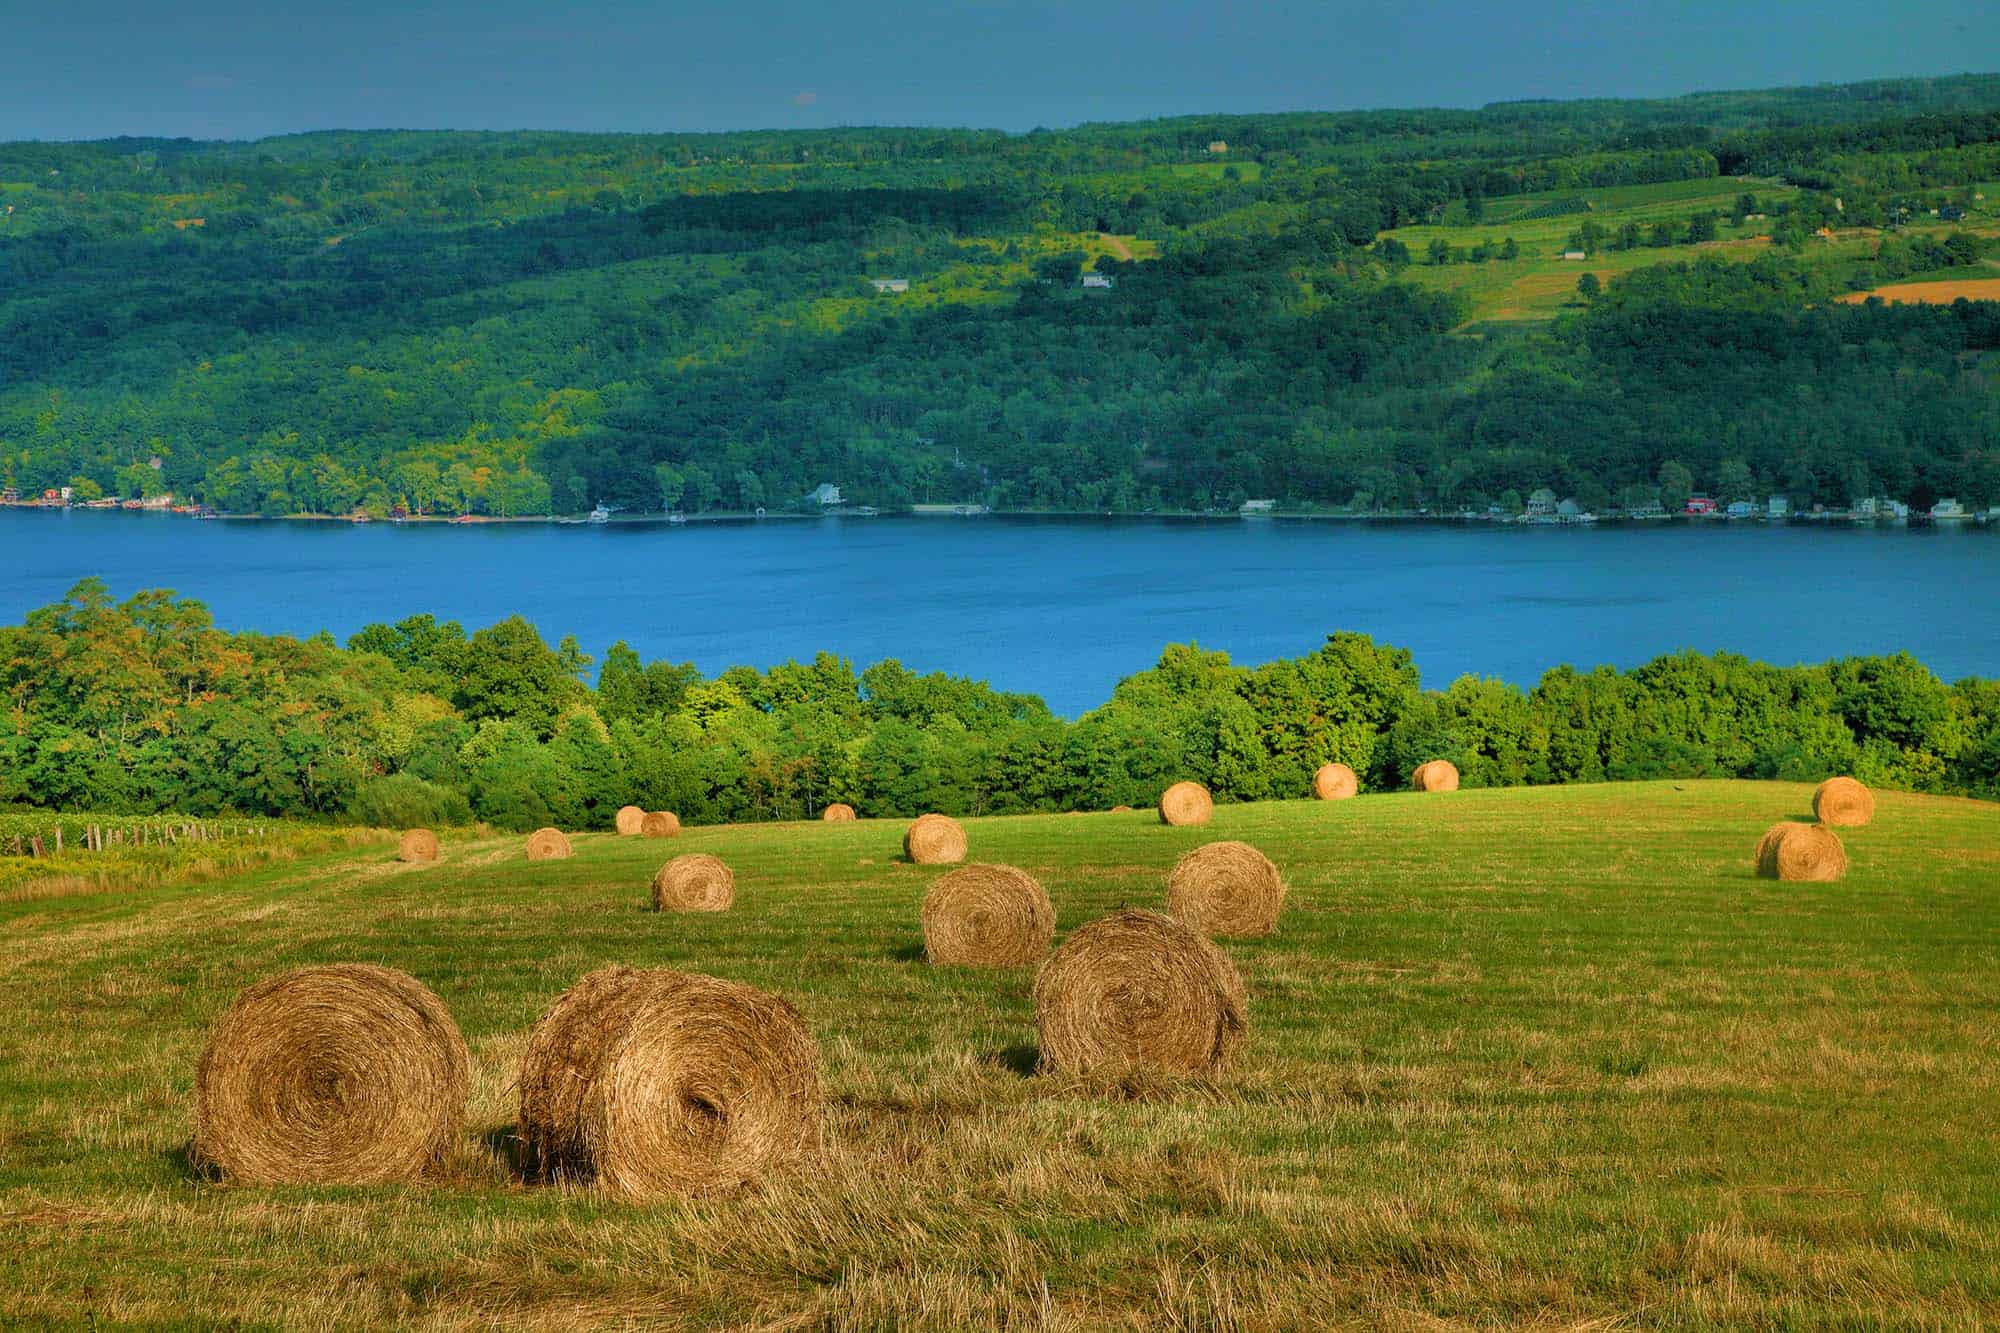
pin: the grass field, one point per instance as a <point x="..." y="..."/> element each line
<point x="1937" y="290"/>
<point x="1534" y="1057"/>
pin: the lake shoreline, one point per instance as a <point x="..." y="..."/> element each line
<point x="1188" y="516"/>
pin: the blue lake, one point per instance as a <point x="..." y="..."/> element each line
<point x="1064" y="608"/>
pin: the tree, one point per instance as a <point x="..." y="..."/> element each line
<point x="1440" y="251"/>
<point x="1510" y="249"/>
<point x="1676" y="485"/>
<point x="1588" y="286"/>
<point x="671" y="482"/>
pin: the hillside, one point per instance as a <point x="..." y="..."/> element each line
<point x="1516" y="1058"/>
<point x="507" y="324"/>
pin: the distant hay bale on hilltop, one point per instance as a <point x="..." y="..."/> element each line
<point x="1226" y="888"/>
<point x="1843" y="802"/>
<point x="696" y="882"/>
<point x="661" y="824"/>
<point x="418" y="844"/>
<point x="935" y="840"/>
<point x="1139" y="989"/>
<point x="1335" y="782"/>
<point x="548" y="844"/>
<point x="661" y="1083"/>
<point x="628" y="821"/>
<point x="1436" y="775"/>
<point x="838" y="813"/>
<point x="1185" y="804"/>
<point x="349" y="1074"/>
<point x="987" y="916"/>
<point x="1809" y="852"/>
<point x="1121" y="809"/>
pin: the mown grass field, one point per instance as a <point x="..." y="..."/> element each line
<point x="1534" y="1057"/>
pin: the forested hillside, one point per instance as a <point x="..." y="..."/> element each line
<point x="1366" y="310"/>
<point x="144" y="705"/>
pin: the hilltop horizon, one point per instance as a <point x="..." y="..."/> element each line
<point x="1885" y="82"/>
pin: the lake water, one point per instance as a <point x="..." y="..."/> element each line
<point x="1064" y="608"/>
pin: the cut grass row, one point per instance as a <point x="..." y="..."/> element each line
<point x="1528" y="1056"/>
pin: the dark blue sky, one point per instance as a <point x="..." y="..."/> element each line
<point x="237" y="69"/>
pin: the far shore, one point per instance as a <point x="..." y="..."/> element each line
<point x="659" y="519"/>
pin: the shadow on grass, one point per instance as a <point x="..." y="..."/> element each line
<point x="908" y="953"/>
<point x="508" y="1149"/>
<point x="186" y="1163"/>
<point x="1021" y="1058"/>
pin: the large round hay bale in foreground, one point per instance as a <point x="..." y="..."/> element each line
<point x="660" y="1083"/>
<point x="1139" y="990"/>
<point x="661" y="824"/>
<point x="418" y="844"/>
<point x="696" y="882"/>
<point x="1226" y="888"/>
<point x="838" y="813"/>
<point x="1436" y="775"/>
<point x="987" y="916"/>
<point x="628" y="820"/>
<point x="1185" y="804"/>
<point x="934" y="840"/>
<point x="1809" y="852"/>
<point x="548" y="844"/>
<point x="1335" y="782"/>
<point x="1843" y="802"/>
<point x="349" y="1074"/>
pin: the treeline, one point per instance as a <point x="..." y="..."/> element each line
<point x="144" y="706"/>
<point x="528" y="323"/>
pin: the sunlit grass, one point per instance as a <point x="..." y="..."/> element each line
<point x="1533" y="1056"/>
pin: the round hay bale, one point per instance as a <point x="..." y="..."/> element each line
<point x="548" y="844"/>
<point x="838" y="813"/>
<point x="1810" y="852"/>
<point x="1186" y="803"/>
<point x="1764" y="846"/>
<point x="418" y="844"/>
<point x="1436" y="775"/>
<point x="1335" y="782"/>
<point x="1843" y="802"/>
<point x="349" y="1074"/>
<point x="934" y="840"/>
<point x="987" y="916"/>
<point x="661" y="824"/>
<point x="1139" y="989"/>
<point x="1226" y="888"/>
<point x="658" y="1083"/>
<point x="1121" y="809"/>
<point x="628" y="820"/>
<point x="696" y="882"/>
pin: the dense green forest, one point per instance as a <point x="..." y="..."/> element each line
<point x="143" y="706"/>
<point x="522" y="323"/>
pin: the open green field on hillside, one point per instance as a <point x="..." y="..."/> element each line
<point x="1525" y="1057"/>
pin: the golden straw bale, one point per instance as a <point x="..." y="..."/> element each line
<point x="348" y="1074"/>
<point x="987" y="916"/>
<point x="838" y="813"/>
<point x="1843" y="802"/>
<point x="1226" y="888"/>
<point x="696" y="882"/>
<point x="661" y="824"/>
<point x="548" y="844"/>
<point x="1335" y="782"/>
<point x="1139" y="989"/>
<point x="1121" y="809"/>
<point x="1186" y="803"/>
<point x="418" y="844"/>
<point x="1794" y="851"/>
<point x="661" y="1083"/>
<point x="628" y="820"/>
<point x="1437" y="775"/>
<point x="934" y="840"/>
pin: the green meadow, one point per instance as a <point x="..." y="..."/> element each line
<point x="1528" y="1057"/>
